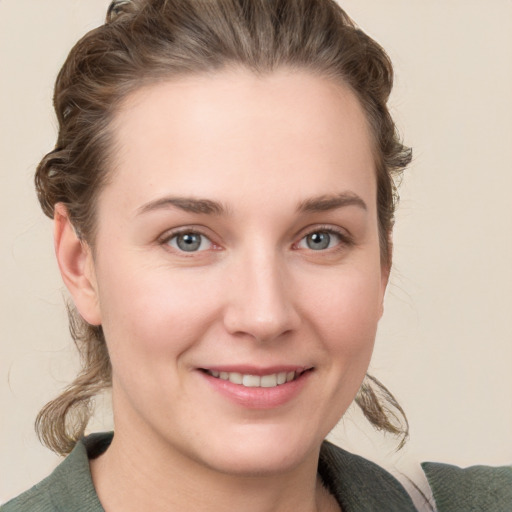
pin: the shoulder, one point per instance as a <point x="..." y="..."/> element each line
<point x="359" y="484"/>
<point x="471" y="489"/>
<point x="68" y="489"/>
<point x="36" y="499"/>
<point x="42" y="497"/>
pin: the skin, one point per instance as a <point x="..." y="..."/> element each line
<point x="276" y="152"/>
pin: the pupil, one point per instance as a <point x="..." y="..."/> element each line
<point x="317" y="241"/>
<point x="189" y="242"/>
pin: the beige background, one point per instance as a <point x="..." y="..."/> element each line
<point x="445" y="344"/>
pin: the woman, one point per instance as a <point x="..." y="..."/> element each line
<point x="222" y="194"/>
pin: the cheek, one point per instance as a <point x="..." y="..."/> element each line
<point x="153" y="315"/>
<point x="348" y="308"/>
<point x="347" y="321"/>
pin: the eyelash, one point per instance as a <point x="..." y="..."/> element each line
<point x="168" y="237"/>
<point x="345" y="240"/>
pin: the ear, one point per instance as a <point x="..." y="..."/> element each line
<point x="76" y="265"/>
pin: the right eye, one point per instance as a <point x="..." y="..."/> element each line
<point x="189" y="241"/>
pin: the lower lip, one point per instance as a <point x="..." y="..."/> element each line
<point x="258" y="398"/>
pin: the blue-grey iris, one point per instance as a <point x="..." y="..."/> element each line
<point x="189" y="242"/>
<point x="318" y="241"/>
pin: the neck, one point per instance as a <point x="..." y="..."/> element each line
<point x="141" y="474"/>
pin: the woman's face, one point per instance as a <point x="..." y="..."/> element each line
<point x="237" y="239"/>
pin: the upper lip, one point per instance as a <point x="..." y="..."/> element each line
<point x="257" y="370"/>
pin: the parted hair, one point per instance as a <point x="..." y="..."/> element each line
<point x="146" y="41"/>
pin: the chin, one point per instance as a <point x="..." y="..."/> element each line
<point x="258" y="452"/>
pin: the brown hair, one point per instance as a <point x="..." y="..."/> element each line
<point x="144" y="41"/>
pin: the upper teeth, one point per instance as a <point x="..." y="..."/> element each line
<point x="255" y="381"/>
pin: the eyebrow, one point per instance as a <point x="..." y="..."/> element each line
<point x="331" y="202"/>
<point x="208" y="207"/>
<point x="188" y="204"/>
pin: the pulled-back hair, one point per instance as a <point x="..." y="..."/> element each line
<point x="146" y="41"/>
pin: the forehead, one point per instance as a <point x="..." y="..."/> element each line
<point x="233" y="132"/>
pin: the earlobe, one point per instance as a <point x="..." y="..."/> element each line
<point x="76" y="266"/>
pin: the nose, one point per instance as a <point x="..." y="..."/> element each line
<point x="260" y="305"/>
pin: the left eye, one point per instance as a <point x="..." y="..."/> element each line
<point x="189" y="242"/>
<point x="320" y="240"/>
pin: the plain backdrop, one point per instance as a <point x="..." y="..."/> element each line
<point x="444" y="345"/>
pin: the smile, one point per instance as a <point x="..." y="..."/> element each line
<point x="258" y="388"/>
<point x="256" y="381"/>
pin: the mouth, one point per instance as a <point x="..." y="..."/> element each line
<point x="249" y="380"/>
